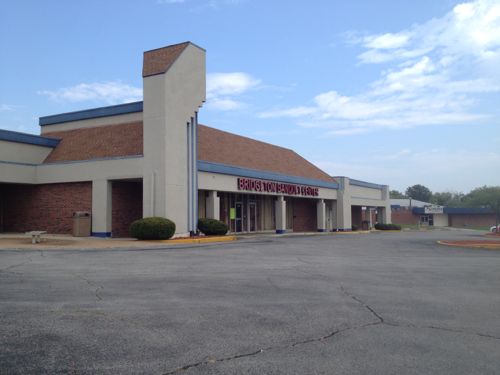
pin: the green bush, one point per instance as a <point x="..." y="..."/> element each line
<point x="354" y="227"/>
<point x="212" y="227"/>
<point x="380" y="226"/>
<point x="152" y="228"/>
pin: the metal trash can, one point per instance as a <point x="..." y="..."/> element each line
<point x="81" y="224"/>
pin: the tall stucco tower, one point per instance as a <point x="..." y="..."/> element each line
<point x="174" y="80"/>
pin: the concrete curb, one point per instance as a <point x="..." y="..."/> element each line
<point x="489" y="246"/>
<point x="196" y="240"/>
<point x="106" y="244"/>
<point x="352" y="232"/>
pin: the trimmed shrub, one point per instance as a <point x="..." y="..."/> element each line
<point x="212" y="227"/>
<point x="354" y="227"/>
<point x="152" y="228"/>
<point x="380" y="226"/>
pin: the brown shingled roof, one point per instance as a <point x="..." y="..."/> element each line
<point x="218" y="146"/>
<point x="99" y="142"/>
<point x="214" y="146"/>
<point x="158" y="61"/>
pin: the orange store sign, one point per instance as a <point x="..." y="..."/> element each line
<point x="250" y="184"/>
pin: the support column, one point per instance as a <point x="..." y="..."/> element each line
<point x="333" y="216"/>
<point x="321" y="215"/>
<point x="213" y="205"/>
<point x="101" y="208"/>
<point x="280" y="213"/>
<point x="385" y="212"/>
<point x="173" y="89"/>
<point x="344" y="219"/>
<point x="384" y="215"/>
<point x="369" y="217"/>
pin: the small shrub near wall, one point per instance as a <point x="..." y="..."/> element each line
<point x="212" y="227"/>
<point x="387" y="226"/>
<point x="152" y="228"/>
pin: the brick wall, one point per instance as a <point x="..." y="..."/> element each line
<point x="478" y="220"/>
<point x="127" y="206"/>
<point x="404" y="216"/>
<point x="304" y="215"/>
<point x="46" y="207"/>
<point x="99" y="142"/>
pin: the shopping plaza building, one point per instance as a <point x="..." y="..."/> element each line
<point x="152" y="158"/>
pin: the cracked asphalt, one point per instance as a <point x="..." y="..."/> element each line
<point x="382" y="303"/>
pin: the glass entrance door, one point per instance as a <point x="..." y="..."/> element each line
<point x="252" y="217"/>
<point x="238" y="221"/>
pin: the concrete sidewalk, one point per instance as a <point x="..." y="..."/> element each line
<point x="57" y="241"/>
<point x="14" y="241"/>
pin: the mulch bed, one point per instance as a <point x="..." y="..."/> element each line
<point x="27" y="241"/>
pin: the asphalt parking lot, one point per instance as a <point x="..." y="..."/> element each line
<point x="382" y="303"/>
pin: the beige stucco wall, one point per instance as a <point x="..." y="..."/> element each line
<point x="366" y="196"/>
<point x="17" y="173"/>
<point x="92" y="123"/>
<point x="359" y="192"/>
<point x="223" y="182"/>
<point x="111" y="169"/>
<point x="22" y="152"/>
<point x="367" y="202"/>
<point x="170" y="100"/>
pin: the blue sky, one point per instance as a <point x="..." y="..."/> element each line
<point x="393" y="92"/>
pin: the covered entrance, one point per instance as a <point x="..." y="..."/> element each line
<point x="247" y="212"/>
<point x="126" y="205"/>
<point x="45" y="207"/>
<point x="427" y="220"/>
<point x="245" y="217"/>
<point x="244" y="213"/>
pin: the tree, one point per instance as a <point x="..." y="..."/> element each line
<point x="419" y="192"/>
<point x="447" y="198"/>
<point x="486" y="196"/>
<point x="395" y="194"/>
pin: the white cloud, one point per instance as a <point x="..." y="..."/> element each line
<point x="230" y="83"/>
<point x="113" y="92"/>
<point x="224" y="88"/>
<point x="434" y="73"/>
<point x="439" y="169"/>
<point x="224" y="104"/>
<point x="6" y="107"/>
<point x="471" y="29"/>
<point x="386" y="41"/>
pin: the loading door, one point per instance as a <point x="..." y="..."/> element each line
<point x="304" y="215"/>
